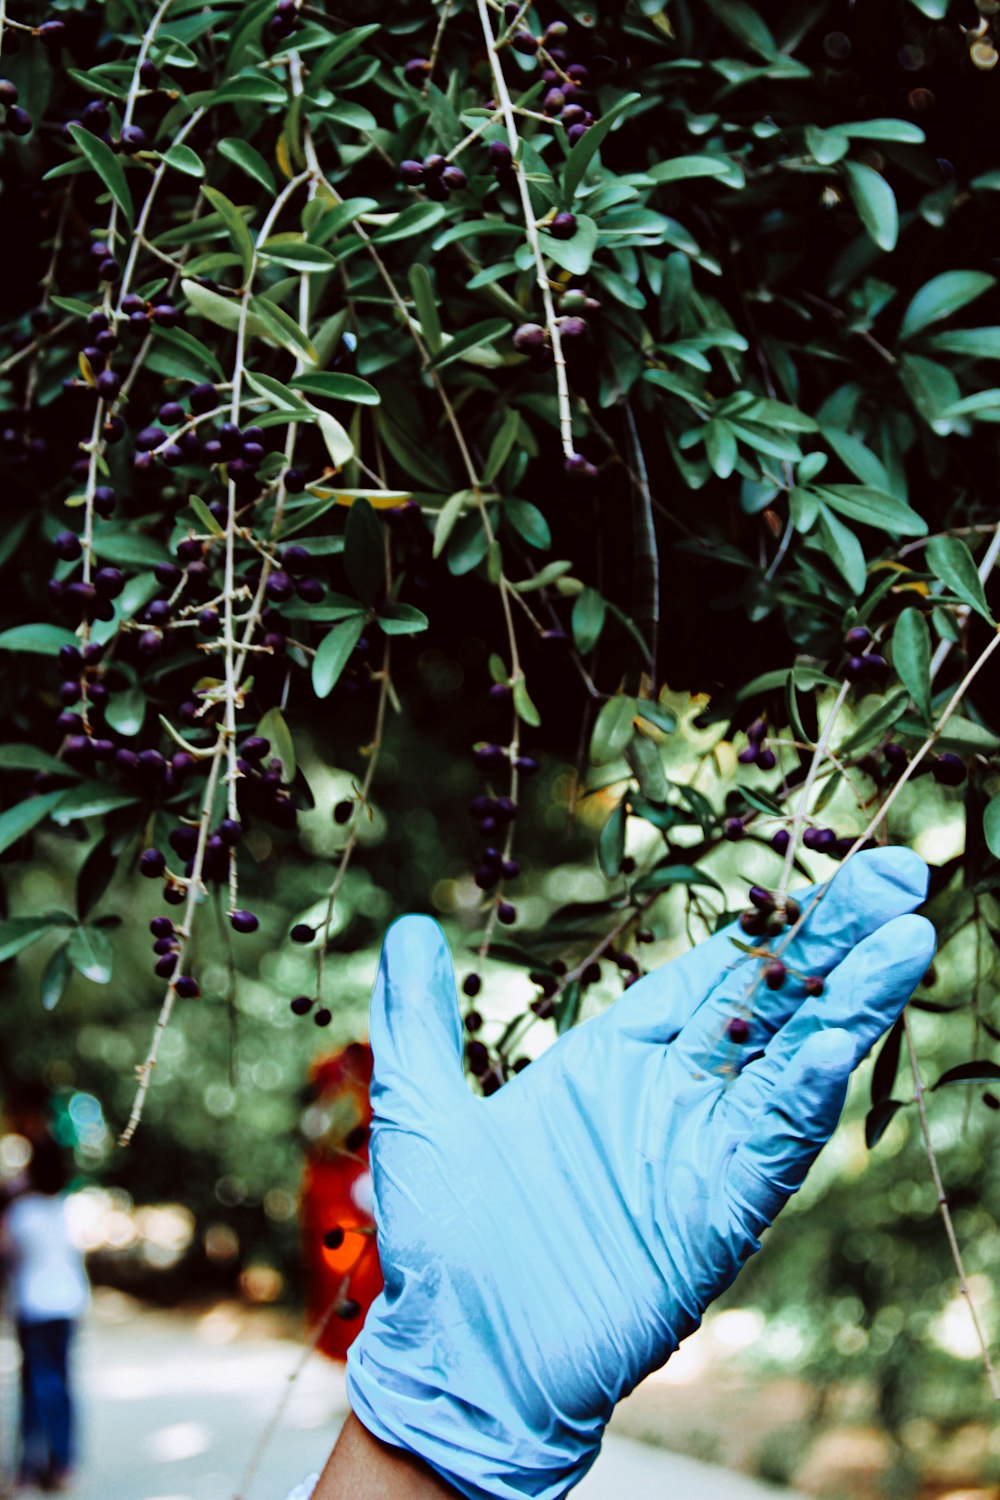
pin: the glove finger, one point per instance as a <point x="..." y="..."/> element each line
<point x="415" y="1027"/>
<point x="785" y="1139"/>
<point x="872" y="888"/>
<point x="864" y="995"/>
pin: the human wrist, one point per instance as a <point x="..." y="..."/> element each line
<point x="364" y="1467"/>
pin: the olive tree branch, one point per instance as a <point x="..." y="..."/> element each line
<point x="541" y="275"/>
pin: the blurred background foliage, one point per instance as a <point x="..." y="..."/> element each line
<point x="765" y="319"/>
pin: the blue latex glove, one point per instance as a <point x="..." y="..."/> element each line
<point x="546" y="1248"/>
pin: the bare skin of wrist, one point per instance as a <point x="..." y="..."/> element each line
<point x="363" y="1468"/>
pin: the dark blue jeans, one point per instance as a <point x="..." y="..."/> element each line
<point x="46" y="1404"/>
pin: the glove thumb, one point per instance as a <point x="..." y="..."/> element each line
<point x="415" y="1027"/>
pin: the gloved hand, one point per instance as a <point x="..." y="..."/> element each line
<point x="546" y="1248"/>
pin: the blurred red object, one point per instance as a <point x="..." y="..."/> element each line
<point x="336" y="1195"/>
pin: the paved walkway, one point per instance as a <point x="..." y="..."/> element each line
<point x="172" y="1406"/>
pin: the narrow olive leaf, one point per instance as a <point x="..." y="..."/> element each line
<point x="587" y="620"/>
<point x="236" y="227"/>
<point x="18" y="933"/>
<point x="332" y="655"/>
<point x="586" y="148"/>
<point x="655" y="713"/>
<point x="461" y="343"/>
<point x="613" y="729"/>
<point x="273" y="727"/>
<point x="529" y="522"/>
<point x="414" y="220"/>
<point x="567" y="1009"/>
<point x="941" y="297"/>
<point x="249" y="160"/>
<point x="20" y="819"/>
<point x="21" y="757"/>
<point x="991" y="825"/>
<point x="183" y="159"/>
<point x="43" y="639"/>
<point x="902" y="131"/>
<point x="188" y="355"/>
<point x="500" y="447"/>
<point x="336" y="219"/>
<point x="887" y="1063"/>
<point x="224" y="312"/>
<point x="55" y="978"/>
<point x="108" y="168"/>
<point x="969" y="1072"/>
<point x="874" y="507"/>
<point x="666" y="875"/>
<point x="266" y="385"/>
<point x="826" y="146"/>
<point x="364" y="552"/>
<point x="297" y="253"/>
<point x="911" y="657"/>
<point x="448" y="515"/>
<point x="126" y="711"/>
<point x="282" y="329"/>
<point x="843" y="549"/>
<point x="401" y="619"/>
<point x="426" y="305"/>
<point x="950" y="560"/>
<point x="875" y="202"/>
<point x="878" y="1118"/>
<point x="336" y="437"/>
<point x="337" y="387"/>
<point x="494" y="561"/>
<point x="523" y="706"/>
<point x="892" y="708"/>
<point x="611" y="843"/>
<point x="90" y="952"/>
<point x="679" y="168"/>
<point x="250" y="88"/>
<point x="205" y="516"/>
<point x="549" y="574"/>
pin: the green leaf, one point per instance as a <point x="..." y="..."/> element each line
<point x="529" y="522"/>
<point x="891" y="709"/>
<point x="90" y="952"/>
<point x="235" y="223"/>
<point x="72" y="305"/>
<point x="43" y="639"/>
<point x="24" y="757"/>
<point x="941" y="297"/>
<point x="108" y="168"/>
<point x="336" y="437"/>
<point x="273" y="727"/>
<point x="878" y="1119"/>
<point x="903" y="131"/>
<point x="249" y="160"/>
<point x="24" y="816"/>
<point x="933" y="390"/>
<point x="18" y="933"/>
<point x="282" y="329"/>
<point x="205" y="516"/>
<point x="401" y="619"/>
<point x="501" y="445"/>
<point x="56" y="977"/>
<point x="447" y="517"/>
<point x="332" y="656"/>
<point x="126" y="711"/>
<point x="586" y="148"/>
<point x="549" y="574"/>
<point x="188" y="355"/>
<point x="296" y="252"/>
<point x="423" y="298"/>
<point x="680" y="168"/>
<point x="666" y="875"/>
<point x="844" y="550"/>
<point x="364" y="552"/>
<point x="587" y="621"/>
<point x="412" y="221"/>
<point x="91" y="799"/>
<point x="250" y="88"/>
<point x="746" y="25"/>
<point x="875" y="202"/>
<point x="576" y="253"/>
<point x="523" y="706"/>
<point x="611" y="844"/>
<point x="720" y="445"/>
<point x="974" y="343"/>
<point x="874" y="508"/>
<point x="336" y="219"/>
<point x="494" y="561"/>
<point x="224" y="312"/>
<point x="454" y="347"/>
<point x="655" y="713"/>
<point x="950" y="560"/>
<point x="337" y="387"/>
<point x="979" y="1071"/>
<point x="183" y="159"/>
<point x="826" y="146"/>
<point x="911" y="657"/>
<point x="991" y="825"/>
<point x="613" y="728"/>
